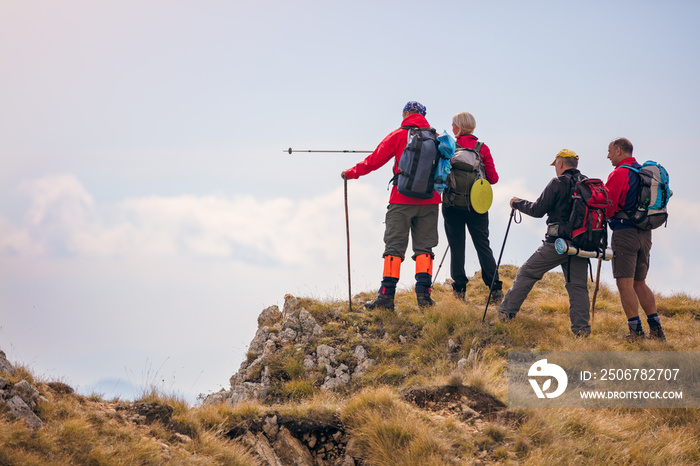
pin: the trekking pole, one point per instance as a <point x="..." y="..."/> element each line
<point x="347" y="234"/>
<point x="595" y="291"/>
<point x="440" y="266"/>
<point x="290" y="150"/>
<point x="512" y="214"/>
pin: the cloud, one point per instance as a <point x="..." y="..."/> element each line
<point x="64" y="219"/>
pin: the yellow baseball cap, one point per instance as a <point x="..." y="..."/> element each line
<point x="565" y="153"/>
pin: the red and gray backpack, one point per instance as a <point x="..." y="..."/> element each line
<point x="587" y="224"/>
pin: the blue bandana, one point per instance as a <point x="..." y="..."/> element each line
<point x="414" y="106"/>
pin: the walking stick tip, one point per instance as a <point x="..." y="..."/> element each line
<point x="290" y="150"/>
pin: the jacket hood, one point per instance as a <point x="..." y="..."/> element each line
<point x="415" y="119"/>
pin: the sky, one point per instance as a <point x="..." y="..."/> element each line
<point x="149" y="210"/>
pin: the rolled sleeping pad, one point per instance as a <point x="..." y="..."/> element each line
<point x="565" y="247"/>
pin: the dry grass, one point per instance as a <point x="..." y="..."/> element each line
<point x="609" y="436"/>
<point x="82" y="431"/>
<point x="388" y="431"/>
<point x="411" y="347"/>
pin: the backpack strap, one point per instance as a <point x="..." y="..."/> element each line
<point x="477" y="148"/>
<point x="622" y="213"/>
<point x="568" y="269"/>
<point x="634" y="169"/>
<point x="477" y="151"/>
<point x="394" y="179"/>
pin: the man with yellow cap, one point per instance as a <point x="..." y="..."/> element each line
<point x="556" y="202"/>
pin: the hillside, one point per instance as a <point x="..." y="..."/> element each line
<point x="325" y="386"/>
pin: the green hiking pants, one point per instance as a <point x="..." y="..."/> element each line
<point x="542" y="261"/>
<point x="420" y="221"/>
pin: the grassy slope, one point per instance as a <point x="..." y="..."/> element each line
<point x="410" y="349"/>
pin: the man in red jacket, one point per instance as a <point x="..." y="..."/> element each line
<point x="405" y="215"/>
<point x="631" y="246"/>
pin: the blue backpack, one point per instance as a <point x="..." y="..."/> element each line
<point x="446" y="146"/>
<point x="654" y="194"/>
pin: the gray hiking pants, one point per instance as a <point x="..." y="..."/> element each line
<point x="575" y="272"/>
<point x="418" y="221"/>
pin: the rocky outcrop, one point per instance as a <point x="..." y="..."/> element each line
<point x="20" y="399"/>
<point x="295" y="327"/>
<point x="275" y="441"/>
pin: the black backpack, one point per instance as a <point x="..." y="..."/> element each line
<point x="466" y="168"/>
<point x="587" y="224"/>
<point x="416" y="170"/>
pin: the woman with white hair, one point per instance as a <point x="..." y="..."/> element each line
<point x="459" y="217"/>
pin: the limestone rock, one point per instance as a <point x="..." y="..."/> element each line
<point x="270" y="427"/>
<point x="339" y="377"/>
<point x="262" y="336"/>
<point x="246" y="391"/>
<point x="20" y="410"/>
<point x="363" y="361"/>
<point x="269" y="317"/>
<point x="326" y="356"/>
<point x="288" y="335"/>
<point x="353" y="449"/>
<point x="360" y="353"/>
<point x="5" y="366"/>
<point x="260" y="447"/>
<point x="462" y="364"/>
<point x="452" y="346"/>
<point x="29" y="394"/>
<point x="309" y="362"/>
<point x="291" y="451"/>
<point x="362" y="368"/>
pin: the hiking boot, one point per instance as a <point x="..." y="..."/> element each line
<point x="634" y="336"/>
<point x="382" y="301"/>
<point x="657" y="333"/>
<point x="459" y="290"/>
<point x="496" y="297"/>
<point x="505" y="317"/>
<point x="582" y="333"/>
<point x="424" y="300"/>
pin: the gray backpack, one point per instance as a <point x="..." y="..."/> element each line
<point x="467" y="167"/>
<point x="417" y="165"/>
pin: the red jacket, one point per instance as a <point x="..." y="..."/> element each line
<point x="392" y="147"/>
<point x="468" y="141"/>
<point x="623" y="186"/>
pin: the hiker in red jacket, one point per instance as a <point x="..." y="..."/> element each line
<point x="405" y="215"/>
<point x="631" y="246"/>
